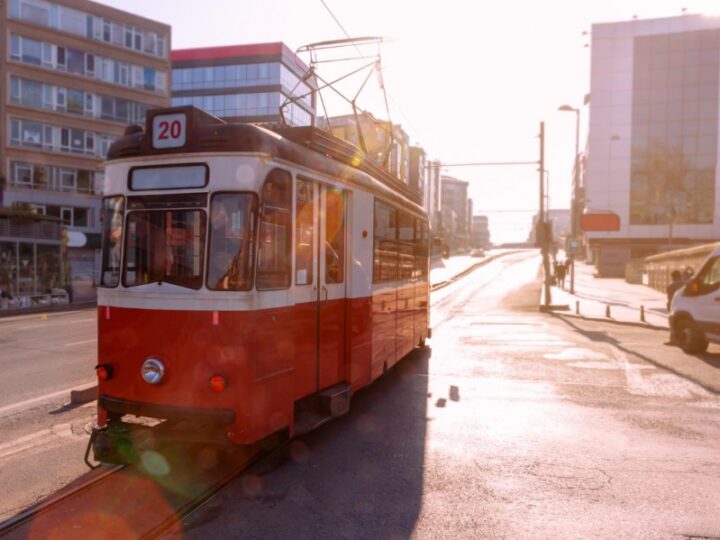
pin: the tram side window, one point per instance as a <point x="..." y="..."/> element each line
<point x="406" y="247"/>
<point x="274" y="264"/>
<point x="335" y="236"/>
<point x="232" y="239"/>
<point x="113" y="209"/>
<point x="304" y="229"/>
<point x="385" y="247"/>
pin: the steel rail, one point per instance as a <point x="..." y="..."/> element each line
<point x="198" y="502"/>
<point x="42" y="507"/>
<point x="469" y="270"/>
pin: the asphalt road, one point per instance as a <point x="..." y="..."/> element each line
<point x="43" y="355"/>
<point x="512" y="424"/>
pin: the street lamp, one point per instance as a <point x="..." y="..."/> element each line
<point x="576" y="182"/>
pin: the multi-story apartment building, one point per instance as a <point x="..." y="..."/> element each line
<point x="653" y="136"/>
<point x="454" y="212"/>
<point x="74" y="74"/>
<point x="388" y="144"/>
<point x="245" y="83"/>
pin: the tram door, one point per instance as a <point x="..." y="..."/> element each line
<point x="321" y="266"/>
<point x="331" y="286"/>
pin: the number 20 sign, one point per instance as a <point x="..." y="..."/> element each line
<point x="169" y="130"/>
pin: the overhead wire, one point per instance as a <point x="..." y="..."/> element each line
<point x="380" y="76"/>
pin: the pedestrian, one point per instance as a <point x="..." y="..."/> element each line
<point x="675" y="284"/>
<point x="561" y="271"/>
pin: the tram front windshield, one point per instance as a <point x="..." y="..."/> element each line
<point x="165" y="246"/>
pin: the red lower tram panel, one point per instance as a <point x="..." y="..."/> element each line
<point x="234" y="377"/>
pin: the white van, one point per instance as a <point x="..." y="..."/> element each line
<point x="695" y="308"/>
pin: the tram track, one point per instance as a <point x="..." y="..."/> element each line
<point x="55" y="500"/>
<point x="65" y="513"/>
<point x="128" y="501"/>
<point x="454" y="303"/>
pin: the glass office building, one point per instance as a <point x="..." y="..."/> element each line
<point x="245" y="83"/>
<point x="652" y="151"/>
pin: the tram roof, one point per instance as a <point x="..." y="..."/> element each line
<point x="305" y="146"/>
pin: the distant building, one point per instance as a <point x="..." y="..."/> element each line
<point x="454" y="212"/>
<point x="418" y="169"/>
<point x="560" y="220"/>
<point x="245" y="83"/>
<point x="74" y="74"/>
<point x="386" y="143"/>
<point x="469" y="215"/>
<point x="433" y="197"/>
<point x="480" y="233"/>
<point x="653" y="136"/>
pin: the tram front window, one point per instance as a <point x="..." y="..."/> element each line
<point x="165" y="247"/>
<point x="232" y="234"/>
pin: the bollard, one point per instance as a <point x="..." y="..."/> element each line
<point x="607" y="311"/>
<point x="642" y="313"/>
<point x="577" y="307"/>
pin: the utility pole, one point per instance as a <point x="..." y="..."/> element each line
<point x="575" y="203"/>
<point x="542" y="228"/>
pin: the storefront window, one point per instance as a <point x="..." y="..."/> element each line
<point x="8" y="269"/>
<point x="26" y="283"/>
<point x="48" y="268"/>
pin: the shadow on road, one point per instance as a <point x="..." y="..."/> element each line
<point x="360" y="476"/>
<point x="711" y="359"/>
<point x="604" y="337"/>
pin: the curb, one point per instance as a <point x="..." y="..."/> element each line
<point x="553" y="308"/>
<point x="15" y="312"/>
<point x="83" y="395"/>
<point x="647" y="326"/>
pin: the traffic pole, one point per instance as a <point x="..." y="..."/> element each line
<point x="541" y="225"/>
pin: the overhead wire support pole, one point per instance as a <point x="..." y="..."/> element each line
<point x="541" y="231"/>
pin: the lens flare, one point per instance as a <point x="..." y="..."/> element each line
<point x="154" y="463"/>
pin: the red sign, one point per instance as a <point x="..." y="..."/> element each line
<point x="607" y="221"/>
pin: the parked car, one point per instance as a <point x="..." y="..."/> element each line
<point x="695" y="308"/>
<point x="477" y="252"/>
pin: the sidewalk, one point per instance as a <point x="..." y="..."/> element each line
<point x="594" y="296"/>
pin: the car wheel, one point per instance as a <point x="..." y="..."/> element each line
<point x="690" y="337"/>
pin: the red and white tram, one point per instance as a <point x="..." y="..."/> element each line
<point x="250" y="284"/>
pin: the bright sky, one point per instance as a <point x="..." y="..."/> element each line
<point x="468" y="80"/>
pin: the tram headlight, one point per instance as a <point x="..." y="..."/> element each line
<point x="152" y="371"/>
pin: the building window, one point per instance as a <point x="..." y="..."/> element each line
<point x="32" y="176"/>
<point x="34" y="134"/>
<point x="78" y="62"/>
<point x="66" y="19"/>
<point x="674" y="128"/>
